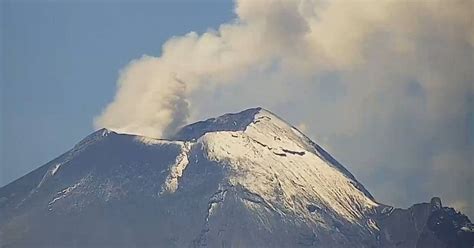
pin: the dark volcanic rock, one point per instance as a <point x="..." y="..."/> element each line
<point x="425" y="225"/>
<point x="451" y="227"/>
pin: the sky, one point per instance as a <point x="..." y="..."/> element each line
<point x="386" y="87"/>
<point x="61" y="60"/>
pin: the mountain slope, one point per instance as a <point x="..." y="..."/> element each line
<point x="247" y="179"/>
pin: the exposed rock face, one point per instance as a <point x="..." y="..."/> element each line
<point x="240" y="180"/>
<point x="425" y="225"/>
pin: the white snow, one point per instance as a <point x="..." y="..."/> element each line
<point x="467" y="229"/>
<point x="373" y="224"/>
<point x="147" y="140"/>
<point x="152" y="141"/>
<point x="63" y="193"/>
<point x="67" y="191"/>
<point x="105" y="132"/>
<point x="271" y="155"/>
<point x="55" y="169"/>
<point x="51" y="172"/>
<point x="212" y="208"/>
<point x="176" y="169"/>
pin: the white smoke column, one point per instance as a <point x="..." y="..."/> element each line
<point x="148" y="100"/>
<point x="152" y="92"/>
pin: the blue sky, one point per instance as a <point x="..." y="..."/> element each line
<point x="61" y="62"/>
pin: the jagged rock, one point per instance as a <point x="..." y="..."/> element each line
<point x="436" y="203"/>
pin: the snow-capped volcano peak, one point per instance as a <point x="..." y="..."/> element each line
<point x="274" y="160"/>
<point x="247" y="179"/>
<point x="228" y="122"/>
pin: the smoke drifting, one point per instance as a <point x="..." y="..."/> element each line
<point x="150" y="100"/>
<point x="387" y="86"/>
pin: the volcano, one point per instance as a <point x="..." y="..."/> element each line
<point x="247" y="179"/>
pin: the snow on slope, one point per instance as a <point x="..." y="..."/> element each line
<point x="176" y="169"/>
<point x="270" y="158"/>
<point x="267" y="157"/>
<point x="247" y="179"/>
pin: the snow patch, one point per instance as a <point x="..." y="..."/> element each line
<point x="149" y="141"/>
<point x="64" y="193"/>
<point x="153" y="141"/>
<point x="51" y="172"/>
<point x="273" y="160"/>
<point x="105" y="132"/>
<point x="467" y="229"/>
<point x="55" y="169"/>
<point x="214" y="201"/>
<point x="176" y="169"/>
<point x="372" y="224"/>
